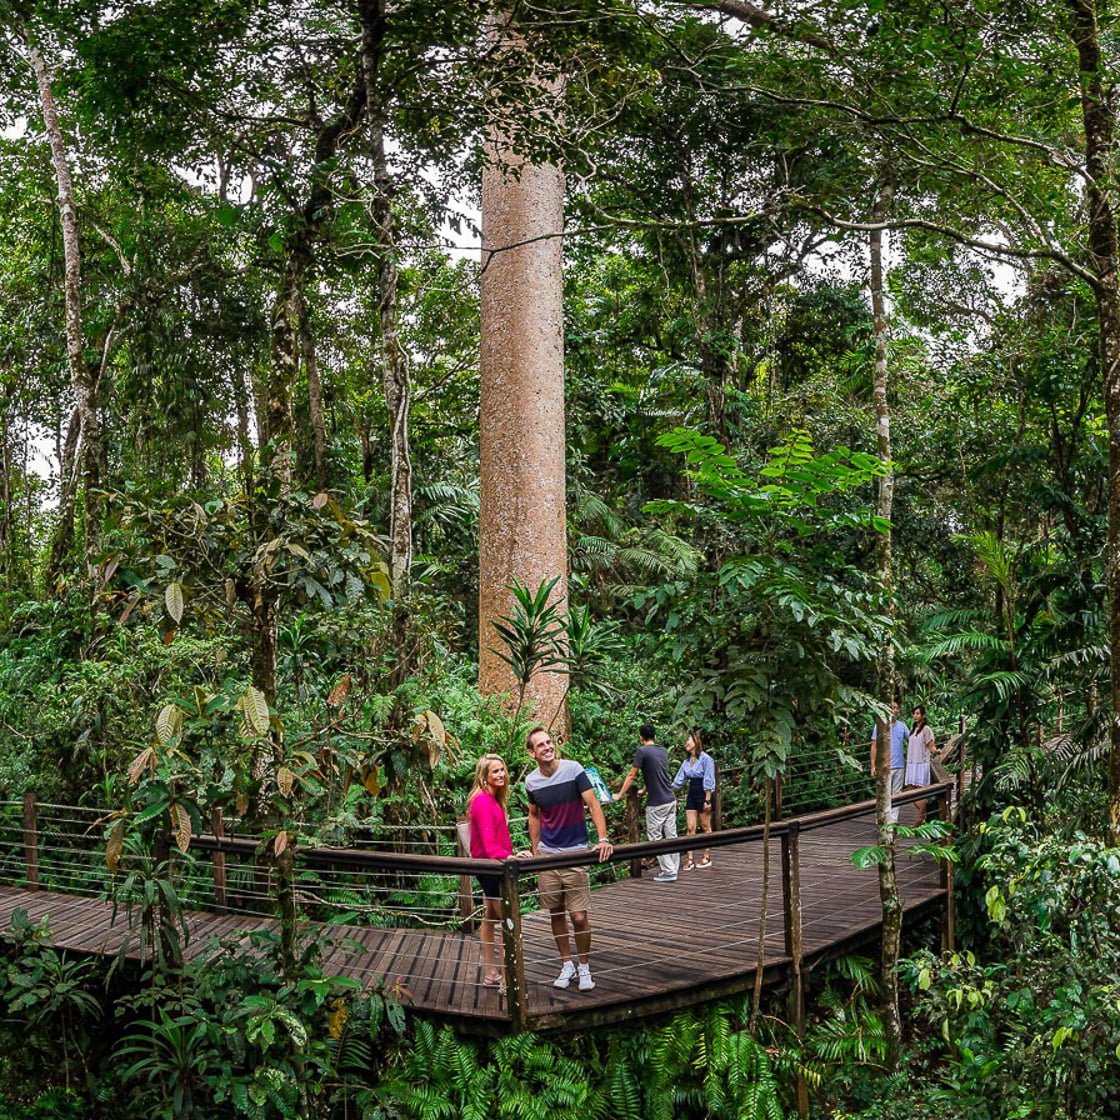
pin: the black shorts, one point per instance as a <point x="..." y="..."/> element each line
<point x="696" y="795"/>
<point x="491" y="885"/>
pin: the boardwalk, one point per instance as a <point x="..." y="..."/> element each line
<point x="656" y="946"/>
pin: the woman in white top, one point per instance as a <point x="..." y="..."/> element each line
<point x="918" y="751"/>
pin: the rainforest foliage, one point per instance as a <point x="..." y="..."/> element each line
<point x="234" y="229"/>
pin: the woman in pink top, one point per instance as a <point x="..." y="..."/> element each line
<point x="486" y="810"/>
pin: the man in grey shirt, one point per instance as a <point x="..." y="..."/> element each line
<point x="661" y="804"/>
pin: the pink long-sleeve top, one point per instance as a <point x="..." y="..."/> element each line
<point x="489" y="829"/>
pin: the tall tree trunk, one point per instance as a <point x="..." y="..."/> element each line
<point x="87" y="459"/>
<point x="241" y="397"/>
<point x="278" y="450"/>
<point x="395" y="377"/>
<point x="314" y="393"/>
<point x="67" y="498"/>
<point x="888" y="883"/>
<point x="7" y="492"/>
<point x="523" y="516"/>
<point x="1099" y="120"/>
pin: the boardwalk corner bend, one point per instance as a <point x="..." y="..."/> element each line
<point x="403" y="922"/>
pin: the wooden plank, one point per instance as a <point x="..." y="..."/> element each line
<point x="655" y="947"/>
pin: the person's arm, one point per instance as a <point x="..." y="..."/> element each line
<point x="874" y="740"/>
<point x="709" y="770"/>
<point x="600" y="822"/>
<point x="534" y="828"/>
<point x="678" y="781"/>
<point x="627" y="782"/>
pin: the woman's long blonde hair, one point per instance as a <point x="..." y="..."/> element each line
<point x="481" y="771"/>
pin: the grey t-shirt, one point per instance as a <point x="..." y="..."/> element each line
<point x="653" y="761"/>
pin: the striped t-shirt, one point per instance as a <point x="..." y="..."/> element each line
<point x="559" y="798"/>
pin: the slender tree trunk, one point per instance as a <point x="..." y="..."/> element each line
<point x="314" y="393"/>
<point x="1099" y="120"/>
<point x="7" y="493"/>
<point x="87" y="459"/>
<point x="888" y="883"/>
<point x="760" y="963"/>
<point x="67" y="499"/>
<point x="395" y="377"/>
<point x="241" y="396"/>
<point x="283" y="370"/>
<point x="523" y="515"/>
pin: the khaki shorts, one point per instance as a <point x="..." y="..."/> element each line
<point x="569" y="889"/>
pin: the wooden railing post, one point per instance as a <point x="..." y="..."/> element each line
<point x="949" y="924"/>
<point x="517" y="992"/>
<point x="961" y="763"/>
<point x="633" y="828"/>
<point x="218" y="861"/>
<point x="466" y="887"/>
<point x="795" y="949"/>
<point x="717" y="801"/>
<point x="31" y="840"/>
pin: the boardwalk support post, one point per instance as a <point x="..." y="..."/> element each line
<point x="949" y="923"/>
<point x="517" y="992"/>
<point x="717" y="801"/>
<point x="466" y="886"/>
<point x="218" y="862"/>
<point x="795" y="949"/>
<point x="31" y="841"/>
<point x="633" y="829"/>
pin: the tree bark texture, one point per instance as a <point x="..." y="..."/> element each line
<point x="314" y="394"/>
<point x="523" y="517"/>
<point x="87" y="458"/>
<point x="1099" y="120"/>
<point x="395" y="376"/>
<point x="278" y="448"/>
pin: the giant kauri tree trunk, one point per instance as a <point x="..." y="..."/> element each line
<point x="523" y="526"/>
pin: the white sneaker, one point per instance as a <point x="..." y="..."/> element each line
<point x="565" y="977"/>
<point x="585" y="981"/>
<point x="664" y="877"/>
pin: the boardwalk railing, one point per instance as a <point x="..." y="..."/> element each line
<point x="388" y="905"/>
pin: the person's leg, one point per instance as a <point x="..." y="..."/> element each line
<point x="579" y="898"/>
<point x="898" y="780"/>
<point x="672" y="862"/>
<point x="552" y="899"/>
<point x="659" y="818"/>
<point x="690" y="818"/>
<point x="491" y="970"/>
<point x="706" y="826"/>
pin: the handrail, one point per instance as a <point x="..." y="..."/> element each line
<point x="459" y="865"/>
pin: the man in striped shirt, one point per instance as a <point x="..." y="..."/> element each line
<point x="559" y="791"/>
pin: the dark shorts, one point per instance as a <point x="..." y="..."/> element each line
<point x="491" y="885"/>
<point x="696" y="795"/>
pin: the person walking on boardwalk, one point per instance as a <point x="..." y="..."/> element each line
<point x="652" y="761"/>
<point x="899" y="735"/>
<point x="559" y="792"/>
<point x="918" y="751"/>
<point x="699" y="771"/>
<point x="486" y="811"/>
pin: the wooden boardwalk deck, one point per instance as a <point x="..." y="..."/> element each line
<point x="655" y="946"/>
